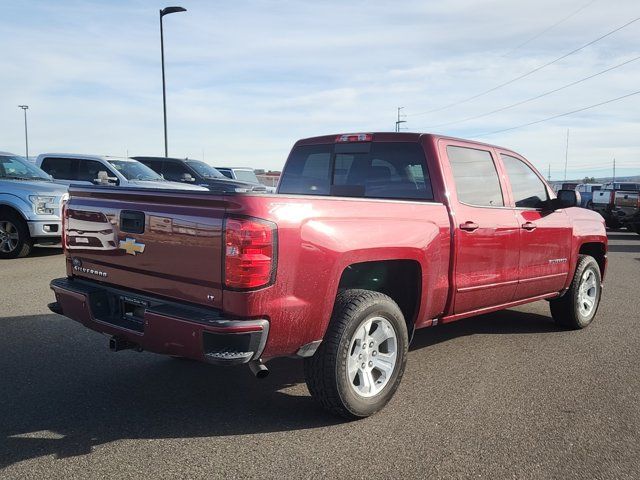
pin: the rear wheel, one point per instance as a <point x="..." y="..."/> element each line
<point x="14" y="236"/>
<point x="612" y="223"/>
<point x="359" y="365"/>
<point x="577" y="307"/>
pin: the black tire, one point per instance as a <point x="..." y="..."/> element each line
<point x="635" y="227"/>
<point x="326" y="371"/>
<point x="24" y="242"/>
<point x="566" y="310"/>
<point x="612" y="223"/>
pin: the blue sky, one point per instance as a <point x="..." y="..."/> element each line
<point x="246" y="79"/>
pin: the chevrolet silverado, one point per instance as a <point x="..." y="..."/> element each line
<point x="370" y="237"/>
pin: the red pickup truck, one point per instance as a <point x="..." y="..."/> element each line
<point x="369" y="237"/>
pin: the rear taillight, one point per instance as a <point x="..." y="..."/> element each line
<point x="249" y="253"/>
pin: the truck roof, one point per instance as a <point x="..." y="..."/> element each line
<point x="393" y="137"/>
<point x="151" y="157"/>
<point x="81" y="156"/>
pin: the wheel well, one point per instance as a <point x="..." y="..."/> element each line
<point x="9" y="209"/>
<point x="399" y="279"/>
<point x="597" y="251"/>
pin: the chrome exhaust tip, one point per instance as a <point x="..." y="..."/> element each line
<point x="258" y="369"/>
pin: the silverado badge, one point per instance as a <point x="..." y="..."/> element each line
<point x="131" y="247"/>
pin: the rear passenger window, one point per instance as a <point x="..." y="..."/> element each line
<point x="527" y="188"/>
<point x="174" y="171"/>
<point x="59" y="168"/>
<point x="476" y="178"/>
<point x="88" y="170"/>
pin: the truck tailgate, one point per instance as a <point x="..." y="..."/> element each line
<point x="626" y="199"/>
<point x="166" y="243"/>
<point x="602" y="196"/>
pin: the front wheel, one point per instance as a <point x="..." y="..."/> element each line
<point x="359" y="365"/>
<point x="15" y="240"/>
<point x="577" y="307"/>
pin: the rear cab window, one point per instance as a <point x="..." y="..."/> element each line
<point x="60" y="168"/>
<point x="475" y="176"/>
<point x="383" y="170"/>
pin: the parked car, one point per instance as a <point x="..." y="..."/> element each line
<point x="196" y="172"/>
<point x="370" y="237"/>
<point x="626" y="209"/>
<point x="586" y="193"/>
<point x="245" y="174"/>
<point x="30" y="205"/>
<point x="604" y="200"/>
<point x="71" y="168"/>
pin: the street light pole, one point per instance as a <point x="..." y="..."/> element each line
<point x="163" y="12"/>
<point x="26" y="136"/>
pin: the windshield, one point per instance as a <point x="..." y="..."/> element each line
<point x="19" y="168"/>
<point x="204" y="169"/>
<point x="247" y="176"/>
<point x="134" y="170"/>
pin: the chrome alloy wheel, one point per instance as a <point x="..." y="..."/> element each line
<point x="9" y="237"/>
<point x="587" y="293"/>
<point x="372" y="356"/>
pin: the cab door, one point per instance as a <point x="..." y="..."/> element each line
<point x="545" y="236"/>
<point x="486" y="233"/>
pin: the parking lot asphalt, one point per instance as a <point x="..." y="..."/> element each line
<point x="504" y="395"/>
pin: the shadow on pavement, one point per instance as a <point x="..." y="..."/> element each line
<point x="62" y="392"/>
<point x="497" y="323"/>
<point x="46" y="251"/>
<point x="628" y="248"/>
<point x="623" y="236"/>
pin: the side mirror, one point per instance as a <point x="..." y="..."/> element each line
<point x="104" y="179"/>
<point x="566" y="199"/>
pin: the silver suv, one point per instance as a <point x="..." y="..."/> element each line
<point x="30" y="206"/>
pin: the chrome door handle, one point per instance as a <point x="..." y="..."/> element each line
<point x="469" y="226"/>
<point x="529" y="226"/>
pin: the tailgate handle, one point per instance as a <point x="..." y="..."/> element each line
<point x="131" y="221"/>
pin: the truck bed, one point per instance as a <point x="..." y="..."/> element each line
<point x="170" y="247"/>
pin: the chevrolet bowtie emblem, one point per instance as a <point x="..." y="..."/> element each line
<point x="131" y="246"/>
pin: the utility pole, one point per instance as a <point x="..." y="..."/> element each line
<point x="398" y="121"/>
<point x="26" y="136"/>
<point x="549" y="174"/>
<point x="163" y="12"/>
<point x="614" y="169"/>
<point x="566" y="157"/>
